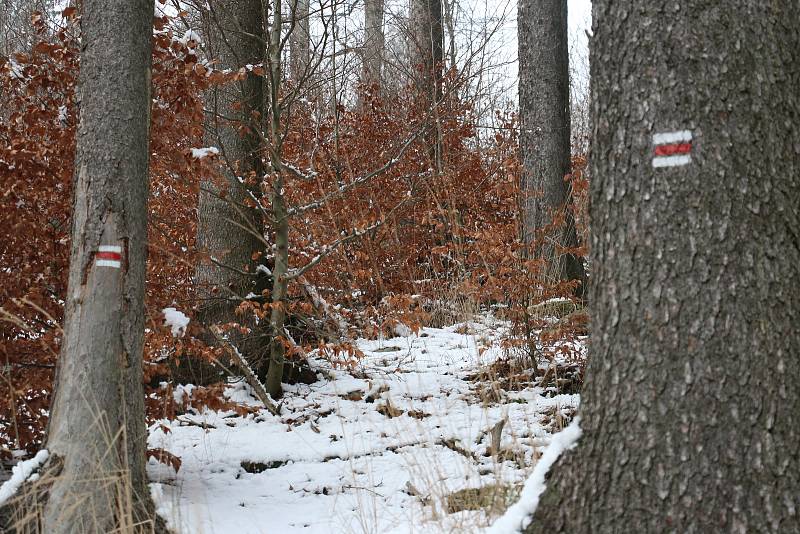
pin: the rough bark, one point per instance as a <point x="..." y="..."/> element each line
<point x="97" y="420"/>
<point x="427" y="54"/>
<point x="373" y="47"/>
<point x="227" y="229"/>
<point x="299" y="41"/>
<point x="427" y="48"/>
<point x="691" y="409"/>
<point x="545" y="136"/>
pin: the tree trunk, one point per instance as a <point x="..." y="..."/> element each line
<point x="373" y="45"/>
<point x="300" y="41"/>
<point x="230" y="231"/>
<point x="427" y="44"/>
<point x="280" y="284"/>
<point x="449" y="7"/>
<point x="97" y="421"/>
<point x="545" y="136"/>
<point x="691" y="409"/>
<point x="427" y="49"/>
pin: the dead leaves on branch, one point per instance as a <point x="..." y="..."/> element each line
<point x="454" y="240"/>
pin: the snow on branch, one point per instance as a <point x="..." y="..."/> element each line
<point x="20" y="473"/>
<point x="322" y="305"/>
<point x="247" y="372"/>
<point x="297" y="172"/>
<point x="176" y="320"/>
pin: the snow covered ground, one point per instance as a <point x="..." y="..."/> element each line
<point x="376" y="450"/>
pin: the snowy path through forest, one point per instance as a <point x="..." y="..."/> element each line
<point x="379" y="452"/>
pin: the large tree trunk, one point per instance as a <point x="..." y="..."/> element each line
<point x="97" y="421"/>
<point x="299" y="41"/>
<point x="691" y="409"/>
<point x="228" y="229"/>
<point x="545" y="136"/>
<point x="372" y="55"/>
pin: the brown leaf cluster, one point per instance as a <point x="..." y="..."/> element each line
<point x="450" y="225"/>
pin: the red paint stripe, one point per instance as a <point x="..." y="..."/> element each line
<point x="116" y="256"/>
<point x="673" y="149"/>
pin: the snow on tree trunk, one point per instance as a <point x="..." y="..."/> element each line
<point x="97" y="421"/>
<point x="691" y="409"/>
<point x="545" y="132"/>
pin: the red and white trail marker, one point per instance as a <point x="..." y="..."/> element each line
<point x="108" y="256"/>
<point x="672" y="149"/>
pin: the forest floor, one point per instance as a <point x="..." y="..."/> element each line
<point x="402" y="443"/>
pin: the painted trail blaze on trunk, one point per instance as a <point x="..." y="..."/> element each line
<point x="97" y="427"/>
<point x="672" y="149"/>
<point x="700" y="309"/>
<point x="108" y="256"/>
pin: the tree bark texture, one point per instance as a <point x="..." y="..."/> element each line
<point x="426" y="44"/>
<point x="229" y="230"/>
<point x="373" y="47"/>
<point x="691" y="409"/>
<point x="545" y="136"/>
<point x="300" y="41"/>
<point x="427" y="48"/>
<point x="97" y="420"/>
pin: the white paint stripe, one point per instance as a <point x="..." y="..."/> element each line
<point x="108" y="263"/>
<point x="672" y="161"/>
<point x="109" y="248"/>
<point x="682" y="136"/>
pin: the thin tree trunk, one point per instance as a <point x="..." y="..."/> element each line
<point x="545" y="135"/>
<point x="299" y="42"/>
<point x="691" y="409"/>
<point x="449" y="7"/>
<point x="229" y="230"/>
<point x="97" y="421"/>
<point x="373" y="45"/>
<point x="280" y="282"/>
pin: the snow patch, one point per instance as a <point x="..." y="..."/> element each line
<point x="200" y="153"/>
<point x="176" y="320"/>
<point x="402" y="330"/>
<point x="20" y="473"/>
<point x="182" y="392"/>
<point x="190" y="35"/>
<point x="519" y="515"/>
<point x="374" y="449"/>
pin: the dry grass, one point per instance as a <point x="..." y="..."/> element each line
<point x="87" y="495"/>
<point x="494" y="498"/>
<point x="451" y="305"/>
<point x="27" y="507"/>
